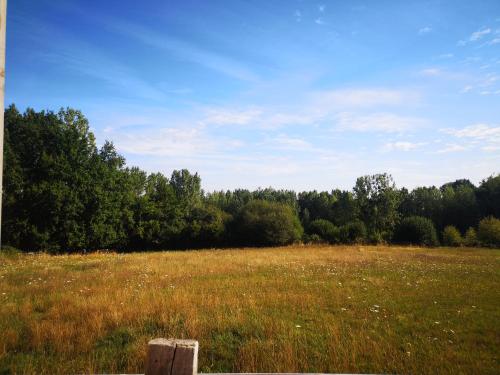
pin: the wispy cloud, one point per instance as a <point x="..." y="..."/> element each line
<point x="402" y="146"/>
<point x="481" y="132"/>
<point x="451" y="147"/>
<point x="466" y="89"/>
<point x="84" y="59"/>
<point x="479" y="34"/>
<point x="320" y="107"/>
<point x="165" y="142"/>
<point x="186" y="50"/>
<point x="298" y="15"/>
<point x="494" y="41"/>
<point x="424" y="30"/>
<point x="319" y="21"/>
<point x="363" y="98"/>
<point x="431" y="72"/>
<point x="225" y="116"/>
<point x="284" y="141"/>
<point x="322" y="8"/>
<point x="378" y="122"/>
<point x="445" y="73"/>
<point x="484" y="136"/>
<point x="475" y="36"/>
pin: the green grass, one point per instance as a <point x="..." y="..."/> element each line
<point x="295" y="309"/>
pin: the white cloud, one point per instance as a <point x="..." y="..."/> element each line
<point x="186" y="50"/>
<point x="319" y="21"/>
<point x="317" y="107"/>
<point x="175" y="142"/>
<point x="490" y="79"/>
<point x="466" y="89"/>
<point x="475" y="36"/>
<point x="431" y="72"/>
<point x="424" y="30"/>
<point x="257" y="117"/>
<point x="446" y="56"/>
<point x="290" y="143"/>
<point x="363" y="98"/>
<point x="276" y="120"/>
<point x="223" y="116"/>
<point x="377" y="122"/>
<point x="485" y="136"/>
<point x="401" y="146"/>
<point x="451" y="147"/>
<point x="450" y="75"/>
<point x="298" y="15"/>
<point x="479" y="34"/>
<point x="491" y="148"/>
<point x="89" y="61"/>
<point x="322" y="8"/>
<point x="480" y="132"/>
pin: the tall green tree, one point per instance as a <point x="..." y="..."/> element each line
<point x="378" y="200"/>
<point x="488" y="197"/>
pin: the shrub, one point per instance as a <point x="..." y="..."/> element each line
<point x="416" y="230"/>
<point x="353" y="232"/>
<point x="206" y="226"/>
<point x="313" y="239"/>
<point x="9" y="251"/>
<point x="325" y="230"/>
<point x="262" y="223"/>
<point x="451" y="236"/>
<point x="488" y="231"/>
<point x="376" y="238"/>
<point x="471" y="237"/>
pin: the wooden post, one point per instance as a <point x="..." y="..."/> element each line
<point x="3" y="24"/>
<point x="172" y="357"/>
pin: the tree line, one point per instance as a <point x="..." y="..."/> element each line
<point x="62" y="193"/>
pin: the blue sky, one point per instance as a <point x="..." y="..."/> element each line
<point x="289" y="94"/>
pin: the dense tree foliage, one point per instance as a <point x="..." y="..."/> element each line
<point x="267" y="223"/>
<point x="451" y="236"/>
<point x="378" y="200"/>
<point x="488" y="231"/>
<point x="325" y="230"/>
<point x="64" y="193"/>
<point x="416" y="230"/>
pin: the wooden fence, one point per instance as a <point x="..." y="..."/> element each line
<point x="179" y="357"/>
<point x="172" y="357"/>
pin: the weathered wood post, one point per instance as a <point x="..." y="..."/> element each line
<point x="172" y="357"/>
<point x="3" y="24"/>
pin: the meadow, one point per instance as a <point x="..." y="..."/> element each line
<point x="345" y="309"/>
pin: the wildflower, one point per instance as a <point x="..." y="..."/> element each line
<point x="298" y="326"/>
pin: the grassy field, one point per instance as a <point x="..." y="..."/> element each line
<point x="294" y="309"/>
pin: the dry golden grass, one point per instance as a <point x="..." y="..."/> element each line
<point x="294" y="309"/>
